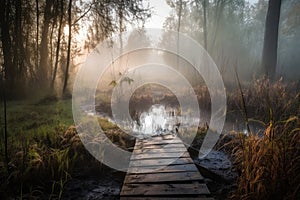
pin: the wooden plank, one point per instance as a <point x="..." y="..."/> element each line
<point x="178" y="145"/>
<point x="157" y="139"/>
<point x="166" y="198"/>
<point x="165" y="177"/>
<point x="158" y="162"/>
<point x="164" y="189"/>
<point x="161" y="168"/>
<point x="159" y="155"/>
<point x="165" y="137"/>
<point x="162" y="150"/>
<point x="160" y="137"/>
<point x="166" y="169"/>
<point x="157" y="143"/>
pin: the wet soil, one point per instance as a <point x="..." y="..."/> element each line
<point x="105" y="186"/>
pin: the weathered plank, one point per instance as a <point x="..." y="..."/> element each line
<point x="159" y="155"/>
<point x="158" y="162"/>
<point x="200" y="197"/>
<point x="160" y="137"/>
<point x="160" y="168"/>
<point x="161" y="151"/>
<point x="159" y="142"/>
<point x="164" y="189"/>
<point x="163" y="169"/>
<point x="177" y="145"/>
<point x="165" y="177"/>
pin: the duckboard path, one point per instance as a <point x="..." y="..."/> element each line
<point x="161" y="168"/>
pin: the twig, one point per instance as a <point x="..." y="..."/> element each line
<point x="245" y="112"/>
<point x="5" y="120"/>
<point x="82" y="16"/>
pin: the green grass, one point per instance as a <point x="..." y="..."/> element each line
<point x="44" y="149"/>
<point x="34" y="148"/>
<point x="33" y="122"/>
<point x="24" y="117"/>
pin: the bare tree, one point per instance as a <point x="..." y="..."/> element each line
<point x="5" y="119"/>
<point x="220" y="4"/>
<point x="204" y="5"/>
<point x="178" y="29"/>
<point x="69" y="47"/>
<point x="269" y="57"/>
<point x="6" y="42"/>
<point x="37" y="32"/>
<point x="44" y="50"/>
<point x="61" y="11"/>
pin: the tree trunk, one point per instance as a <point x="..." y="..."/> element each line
<point x="37" y="32"/>
<point x="5" y="120"/>
<point x="58" y="43"/>
<point x="179" y="15"/>
<point x="6" y="43"/>
<point x="120" y="9"/>
<point x="204" y="5"/>
<point x="178" y="30"/>
<point x="269" y="57"/>
<point x="19" y="57"/>
<point x="44" y="51"/>
<point x="218" y="15"/>
<point x="69" y="47"/>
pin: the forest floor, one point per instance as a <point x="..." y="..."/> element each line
<point x="47" y="159"/>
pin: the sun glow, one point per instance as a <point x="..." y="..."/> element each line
<point x="80" y="36"/>
<point x="66" y="30"/>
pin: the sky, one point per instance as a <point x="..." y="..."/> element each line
<point x="161" y="11"/>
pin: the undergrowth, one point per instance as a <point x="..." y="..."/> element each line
<point x="268" y="163"/>
<point x="45" y="150"/>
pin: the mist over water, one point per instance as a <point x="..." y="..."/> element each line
<point x="158" y="120"/>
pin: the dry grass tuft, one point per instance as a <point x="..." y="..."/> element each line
<point x="268" y="164"/>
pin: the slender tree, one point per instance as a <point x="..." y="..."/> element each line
<point x="69" y="47"/>
<point x="269" y="57"/>
<point x="61" y="11"/>
<point x="44" y="46"/>
<point x="204" y="5"/>
<point x="219" y="8"/>
<point x="7" y="43"/>
<point x="37" y="32"/>
<point x="178" y="29"/>
<point x="5" y="119"/>
<point x="19" y="55"/>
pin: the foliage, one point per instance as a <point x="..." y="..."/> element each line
<point x="267" y="162"/>
<point x="271" y="101"/>
<point x="42" y="41"/>
<point x="45" y="150"/>
<point x="269" y="166"/>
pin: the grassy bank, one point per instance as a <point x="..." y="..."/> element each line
<point x="45" y="151"/>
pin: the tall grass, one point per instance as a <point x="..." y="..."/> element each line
<point x="268" y="164"/>
<point x="45" y="150"/>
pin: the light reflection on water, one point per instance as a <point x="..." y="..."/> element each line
<point x="157" y="120"/>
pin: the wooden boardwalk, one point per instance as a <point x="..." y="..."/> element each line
<point x="154" y="173"/>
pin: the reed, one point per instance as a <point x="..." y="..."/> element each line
<point x="268" y="164"/>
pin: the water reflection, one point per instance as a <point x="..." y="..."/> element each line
<point x="158" y="120"/>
